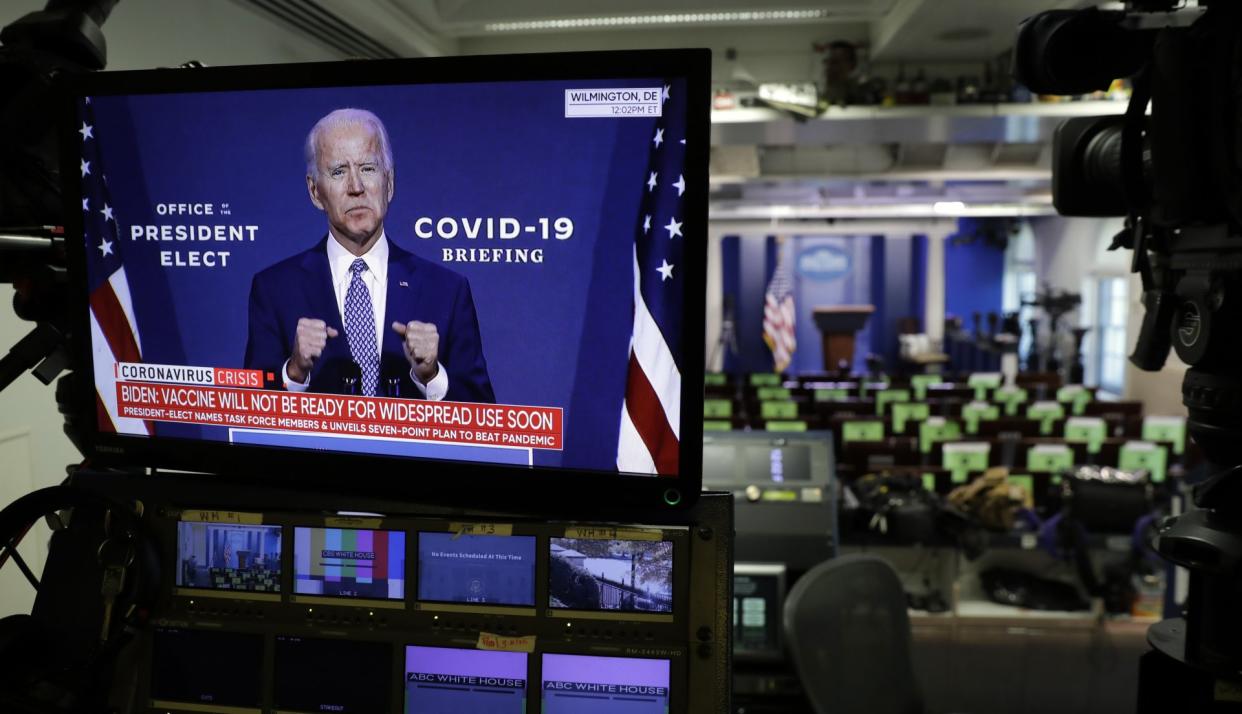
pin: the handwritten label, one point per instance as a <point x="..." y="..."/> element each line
<point x="502" y="643"/>
<point x="352" y="522"/>
<point x="597" y="533"/>
<point x="247" y="519"/>
<point x="491" y="529"/>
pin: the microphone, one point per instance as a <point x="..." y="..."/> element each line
<point x="351" y="379"/>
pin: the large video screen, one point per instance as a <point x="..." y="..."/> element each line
<point x="476" y="569"/>
<point x="463" y="681"/>
<point x="225" y="556"/>
<point x="490" y="272"/>
<point x="627" y="575"/>
<point x="349" y="563"/>
<point x="604" y="685"/>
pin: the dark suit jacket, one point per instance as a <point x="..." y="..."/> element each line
<point x="301" y="286"/>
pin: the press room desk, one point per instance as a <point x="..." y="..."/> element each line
<point x="990" y="657"/>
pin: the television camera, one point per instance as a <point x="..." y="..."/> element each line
<point x="1175" y="174"/>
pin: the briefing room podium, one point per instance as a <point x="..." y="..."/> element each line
<point x="838" y="325"/>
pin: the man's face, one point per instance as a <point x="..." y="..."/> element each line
<point x="353" y="188"/>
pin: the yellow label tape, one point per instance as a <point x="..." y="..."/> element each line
<point x="597" y="533"/>
<point x="496" y="529"/>
<point x="352" y="522"/>
<point x="245" y="519"/>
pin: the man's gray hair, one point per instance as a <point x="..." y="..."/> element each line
<point x="347" y="117"/>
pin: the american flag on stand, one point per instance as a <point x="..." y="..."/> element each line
<point x="778" y="313"/>
<point x="114" y="332"/>
<point x="649" y="441"/>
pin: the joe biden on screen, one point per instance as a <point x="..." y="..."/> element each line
<point x="356" y="312"/>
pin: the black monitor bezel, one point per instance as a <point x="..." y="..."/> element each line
<point x="502" y="487"/>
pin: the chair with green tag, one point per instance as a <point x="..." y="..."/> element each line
<point x="716" y="385"/>
<point x="717" y="425"/>
<point x="1049" y="458"/>
<point x="1086" y="430"/>
<point x="1011" y="399"/>
<point x="975" y="412"/>
<point x="785" y="425"/>
<point x="905" y="413"/>
<point x="1076" y="397"/>
<point x="963" y="457"/>
<point x="717" y="408"/>
<point x="885" y="397"/>
<point x="831" y="394"/>
<point x="778" y="410"/>
<point x="934" y="429"/>
<point x="983" y="382"/>
<point x="1168" y="430"/>
<point x="1150" y="457"/>
<point x="862" y="430"/>
<point x="773" y="394"/>
<point x="920" y="382"/>
<point x="765" y="379"/>
<point x="1046" y="413"/>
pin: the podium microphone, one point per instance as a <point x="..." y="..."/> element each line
<point x="351" y="379"/>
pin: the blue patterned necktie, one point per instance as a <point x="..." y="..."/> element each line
<point x="360" y="327"/>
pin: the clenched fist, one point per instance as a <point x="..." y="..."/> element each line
<point x="422" y="348"/>
<point x="312" y="335"/>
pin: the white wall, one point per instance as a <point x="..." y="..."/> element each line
<point x="1070" y="254"/>
<point x="140" y="34"/>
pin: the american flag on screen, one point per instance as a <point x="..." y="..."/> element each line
<point x="778" y="313"/>
<point x="649" y="441"/>
<point x="114" y="332"/>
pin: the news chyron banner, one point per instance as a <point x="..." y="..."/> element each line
<point x="485" y="272"/>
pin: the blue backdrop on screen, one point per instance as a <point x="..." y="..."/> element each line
<point x="461" y="151"/>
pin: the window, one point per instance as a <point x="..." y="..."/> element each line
<point x="1112" y="311"/>
<point x="1020" y="283"/>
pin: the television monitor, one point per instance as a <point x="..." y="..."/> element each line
<point x="319" y="675"/>
<point x="758" y="610"/>
<point x="476" y="569"/>
<point x="229" y="559"/>
<point x="490" y="266"/>
<point x="785" y="493"/>
<point x="736" y="459"/>
<point x="609" y="685"/>
<point x="213" y="671"/>
<point x="630" y="576"/>
<point x="464" y="681"/>
<point x="353" y="563"/>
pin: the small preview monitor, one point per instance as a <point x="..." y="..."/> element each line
<point x="349" y="563"/>
<point x="342" y="676"/>
<point x="228" y="557"/>
<point x="606" y="575"/>
<point x="537" y="223"/>
<point x="604" y="685"/>
<point x="476" y="569"/>
<point x="737" y="459"/>
<point x="758" y="603"/>
<point x="464" y="681"/>
<point x="217" y="671"/>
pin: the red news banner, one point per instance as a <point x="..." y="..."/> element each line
<point x="197" y="395"/>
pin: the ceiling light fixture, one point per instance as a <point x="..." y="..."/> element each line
<point x="662" y="19"/>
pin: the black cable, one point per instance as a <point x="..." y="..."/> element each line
<point x="11" y="549"/>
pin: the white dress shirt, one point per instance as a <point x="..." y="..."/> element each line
<point x="375" y="278"/>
